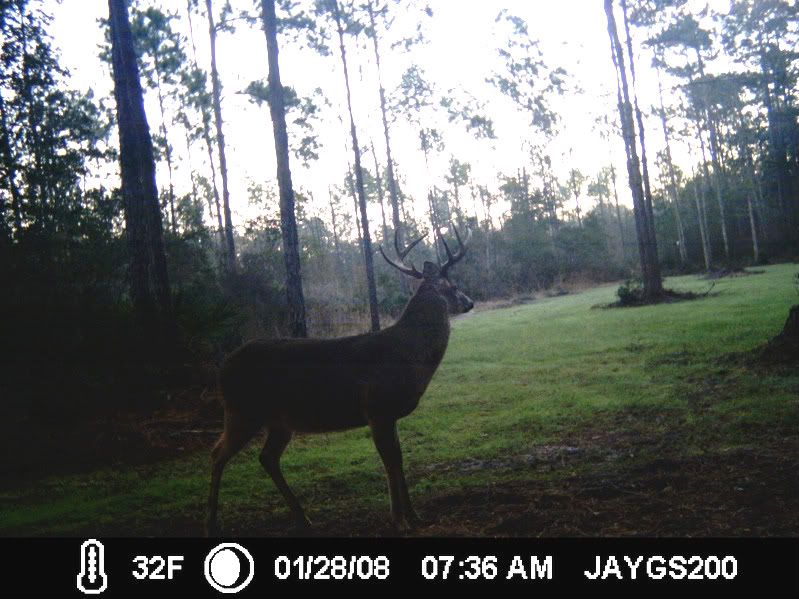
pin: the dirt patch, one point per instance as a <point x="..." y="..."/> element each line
<point x="741" y="492"/>
<point x="543" y="457"/>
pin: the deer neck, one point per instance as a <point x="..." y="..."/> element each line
<point x="425" y="325"/>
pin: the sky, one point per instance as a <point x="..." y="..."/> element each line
<point x="460" y="53"/>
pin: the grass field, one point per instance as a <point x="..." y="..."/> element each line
<point x="547" y="418"/>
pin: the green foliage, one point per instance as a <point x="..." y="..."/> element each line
<point x="631" y="293"/>
<point x="524" y="77"/>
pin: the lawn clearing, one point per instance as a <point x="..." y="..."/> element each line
<point x="547" y="418"/>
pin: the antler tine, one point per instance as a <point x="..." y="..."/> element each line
<point x="403" y="253"/>
<point x="462" y="244"/>
<point x="452" y="259"/>
<point x="411" y="272"/>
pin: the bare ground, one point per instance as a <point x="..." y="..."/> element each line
<point x="597" y="485"/>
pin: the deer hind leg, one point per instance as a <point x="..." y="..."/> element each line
<point x="235" y="436"/>
<point x="386" y="441"/>
<point x="276" y="441"/>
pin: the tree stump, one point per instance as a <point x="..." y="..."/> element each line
<point x="785" y="346"/>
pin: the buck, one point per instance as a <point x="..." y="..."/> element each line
<point x="322" y="385"/>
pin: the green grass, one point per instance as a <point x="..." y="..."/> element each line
<point x="550" y="372"/>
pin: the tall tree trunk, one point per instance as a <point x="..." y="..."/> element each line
<point x="622" y="241"/>
<point x="336" y="243"/>
<point x="390" y="175"/>
<point x="206" y="129"/>
<point x="647" y="247"/>
<point x="354" y="196"/>
<point x="673" y="189"/>
<point x="702" y="218"/>
<point x="190" y="160"/>
<point x="288" y="223"/>
<point x="718" y="173"/>
<point x="753" y="229"/>
<point x="777" y="155"/>
<point x="167" y="147"/>
<point x="649" y="222"/>
<point x="367" y="240"/>
<point x="216" y="87"/>
<point x="379" y="185"/>
<point x="148" y="272"/>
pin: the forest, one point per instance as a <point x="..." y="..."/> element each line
<point x="221" y="171"/>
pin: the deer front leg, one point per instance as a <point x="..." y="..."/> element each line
<point x="384" y="433"/>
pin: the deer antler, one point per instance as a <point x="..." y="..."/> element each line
<point x="458" y="256"/>
<point x="410" y="271"/>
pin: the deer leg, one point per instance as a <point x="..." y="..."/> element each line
<point x="234" y="437"/>
<point x="276" y="441"/>
<point x="386" y="441"/>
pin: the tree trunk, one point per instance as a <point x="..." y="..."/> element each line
<point x="148" y="272"/>
<point x="367" y="240"/>
<point x="718" y="173"/>
<point x="206" y="123"/>
<point x="649" y="221"/>
<point x="216" y="87"/>
<point x="753" y="229"/>
<point x="784" y="348"/>
<point x="700" y="213"/>
<point x="336" y="244"/>
<point x="168" y="148"/>
<point x="673" y="190"/>
<point x="288" y="223"/>
<point x="622" y="241"/>
<point x="379" y="185"/>
<point x="647" y="247"/>
<point x="392" y="180"/>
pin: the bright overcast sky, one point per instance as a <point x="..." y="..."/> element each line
<point x="461" y="53"/>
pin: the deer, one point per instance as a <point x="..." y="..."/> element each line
<point x="297" y="385"/>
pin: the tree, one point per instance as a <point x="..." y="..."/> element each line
<point x="415" y="99"/>
<point x="695" y="45"/>
<point x="525" y="78"/>
<point x="48" y="133"/>
<point x="762" y="37"/>
<point x="672" y="184"/>
<point x="332" y="11"/>
<point x="458" y="177"/>
<point x="148" y="272"/>
<point x="197" y="96"/>
<point x="288" y="224"/>
<point x="160" y="58"/>
<point x="576" y="181"/>
<point x="647" y="246"/>
<point x="372" y="31"/>
<point x="216" y="87"/>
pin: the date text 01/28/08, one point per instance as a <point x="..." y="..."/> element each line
<point x="627" y="567"/>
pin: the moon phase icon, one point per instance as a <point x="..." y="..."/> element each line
<point x="229" y="567"/>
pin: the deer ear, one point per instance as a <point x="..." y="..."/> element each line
<point x="431" y="270"/>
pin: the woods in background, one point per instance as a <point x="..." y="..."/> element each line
<point x="91" y="243"/>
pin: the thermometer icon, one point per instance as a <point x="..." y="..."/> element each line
<point x="92" y="579"/>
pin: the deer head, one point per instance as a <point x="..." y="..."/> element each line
<point x="433" y="276"/>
